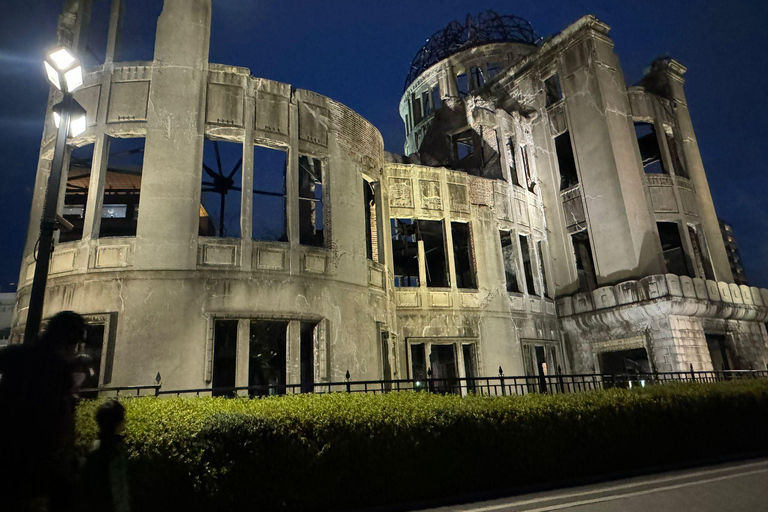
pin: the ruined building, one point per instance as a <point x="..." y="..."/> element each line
<point x="231" y="229"/>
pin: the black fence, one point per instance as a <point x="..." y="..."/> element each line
<point x="500" y="385"/>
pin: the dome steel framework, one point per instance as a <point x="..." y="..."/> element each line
<point x="486" y="27"/>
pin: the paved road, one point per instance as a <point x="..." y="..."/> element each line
<point x="733" y="487"/>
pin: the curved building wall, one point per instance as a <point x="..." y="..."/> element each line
<point x="160" y="293"/>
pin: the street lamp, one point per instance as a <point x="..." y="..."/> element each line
<point x="64" y="71"/>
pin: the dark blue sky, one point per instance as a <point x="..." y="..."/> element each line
<point x="358" y="52"/>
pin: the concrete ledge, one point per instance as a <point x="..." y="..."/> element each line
<point x="652" y="287"/>
<point x="626" y="292"/>
<point x="673" y="285"/>
<point x="689" y="291"/>
<point x="700" y="285"/>
<point x="604" y="297"/>
<point x="582" y="303"/>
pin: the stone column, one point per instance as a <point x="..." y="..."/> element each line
<point x="174" y="145"/>
<point x="673" y="88"/>
<point x="620" y="221"/>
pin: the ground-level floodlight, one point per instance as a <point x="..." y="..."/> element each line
<point x="77" y="117"/>
<point x="64" y="70"/>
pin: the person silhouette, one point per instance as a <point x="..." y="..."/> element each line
<point x="105" y="474"/>
<point x="37" y="403"/>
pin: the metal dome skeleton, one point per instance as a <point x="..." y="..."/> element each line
<point x="486" y="27"/>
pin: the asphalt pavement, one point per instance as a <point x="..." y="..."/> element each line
<point x="732" y="487"/>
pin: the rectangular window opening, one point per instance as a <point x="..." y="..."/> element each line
<point x="566" y="161"/>
<point x="432" y="235"/>
<point x="493" y="69"/>
<point x="464" y="144"/>
<point x="527" y="265"/>
<point x="436" y="99"/>
<point x="418" y="363"/>
<point x="444" y="365"/>
<point x="478" y="80"/>
<point x="96" y="33"/>
<point x="308" y="333"/>
<point x="405" y="253"/>
<point x="674" y="153"/>
<point x="466" y="277"/>
<point x="221" y="189"/>
<point x="585" y="266"/>
<point x="675" y="258"/>
<point x="417" y="112"/>
<point x="468" y="351"/>
<point x="267" y="357"/>
<point x="224" y="356"/>
<point x="138" y="26"/>
<point x="650" y="153"/>
<point x="122" y="187"/>
<point x="268" y="216"/>
<point x="509" y="256"/>
<point x="552" y="88"/>
<point x="718" y="352"/>
<point x="462" y="85"/>
<point x="76" y="193"/>
<point x="92" y="347"/>
<point x="311" y="210"/>
<point x="425" y="103"/>
<point x="386" y="366"/>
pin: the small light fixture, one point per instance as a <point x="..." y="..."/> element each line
<point x="78" y="120"/>
<point x="64" y="70"/>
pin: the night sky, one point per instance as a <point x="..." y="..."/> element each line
<point x="358" y="52"/>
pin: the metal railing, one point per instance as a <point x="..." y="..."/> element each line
<point x="499" y="385"/>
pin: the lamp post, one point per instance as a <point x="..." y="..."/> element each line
<point x="64" y="71"/>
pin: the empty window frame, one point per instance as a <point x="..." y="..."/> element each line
<point x="463" y="144"/>
<point x="386" y="366"/>
<point x="267" y="357"/>
<point x="478" y="80"/>
<point x="462" y="85"/>
<point x="674" y="153"/>
<point x="493" y="69"/>
<point x="407" y="124"/>
<point x="417" y="112"/>
<point x="470" y="365"/>
<point x="552" y="90"/>
<point x="418" y="363"/>
<point x="138" y="26"/>
<point x="307" y="356"/>
<point x="650" y="153"/>
<point x="466" y="276"/>
<point x="438" y="365"/>
<point x="95" y="34"/>
<point x="405" y="252"/>
<point x="371" y="220"/>
<point x="425" y="104"/>
<point x="540" y="247"/>
<point x="432" y="235"/>
<point x="525" y="252"/>
<point x="509" y="257"/>
<point x="566" y="161"/>
<point x="76" y="192"/>
<point x="224" y="356"/>
<point x="512" y="162"/>
<point x="585" y="266"/>
<point x="269" y="198"/>
<point x="436" y="99"/>
<point x="220" y="189"/>
<point x="92" y="347"/>
<point x="701" y="255"/>
<point x="122" y="187"/>
<point x="672" y="247"/>
<point x="311" y="207"/>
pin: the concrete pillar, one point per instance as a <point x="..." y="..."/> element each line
<point x="174" y="145"/>
<point x="610" y="172"/>
<point x="673" y="75"/>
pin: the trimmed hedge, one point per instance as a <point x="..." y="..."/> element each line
<point x="318" y="452"/>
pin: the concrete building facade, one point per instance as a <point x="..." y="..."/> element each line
<point x="545" y="216"/>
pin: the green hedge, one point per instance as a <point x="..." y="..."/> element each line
<point x="313" y="452"/>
